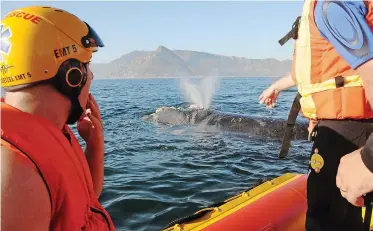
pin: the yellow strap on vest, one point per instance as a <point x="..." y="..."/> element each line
<point x="349" y="81"/>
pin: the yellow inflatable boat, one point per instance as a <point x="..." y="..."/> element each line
<point x="279" y="204"/>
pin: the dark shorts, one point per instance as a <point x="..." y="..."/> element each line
<point x="327" y="209"/>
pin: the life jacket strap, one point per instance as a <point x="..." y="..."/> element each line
<point x="293" y="114"/>
<point x="293" y="33"/>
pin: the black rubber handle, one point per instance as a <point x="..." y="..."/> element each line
<point x="368" y="202"/>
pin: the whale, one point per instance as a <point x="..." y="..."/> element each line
<point x="241" y="123"/>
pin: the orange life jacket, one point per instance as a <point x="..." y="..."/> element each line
<point x="63" y="167"/>
<point x="330" y="89"/>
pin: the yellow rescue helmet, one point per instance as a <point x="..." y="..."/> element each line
<point x="36" y="40"/>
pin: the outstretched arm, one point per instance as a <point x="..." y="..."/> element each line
<point x="284" y="83"/>
<point x="270" y="94"/>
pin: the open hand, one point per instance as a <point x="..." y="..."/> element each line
<point x="90" y="127"/>
<point x="353" y="178"/>
<point x="269" y="97"/>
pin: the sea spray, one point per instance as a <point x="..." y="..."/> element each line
<point x="200" y="95"/>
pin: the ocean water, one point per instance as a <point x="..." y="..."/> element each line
<point x="155" y="174"/>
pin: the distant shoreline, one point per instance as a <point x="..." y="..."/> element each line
<point x="220" y="77"/>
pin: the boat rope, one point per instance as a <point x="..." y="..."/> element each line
<point x="211" y="207"/>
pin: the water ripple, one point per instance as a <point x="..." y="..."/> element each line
<point x="155" y="174"/>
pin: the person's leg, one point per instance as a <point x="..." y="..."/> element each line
<point x="327" y="209"/>
<point x="317" y="193"/>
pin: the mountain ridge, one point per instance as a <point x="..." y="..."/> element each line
<point x="164" y="62"/>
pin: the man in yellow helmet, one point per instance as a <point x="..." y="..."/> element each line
<point x="47" y="181"/>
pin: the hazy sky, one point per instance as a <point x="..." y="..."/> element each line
<point x="248" y="29"/>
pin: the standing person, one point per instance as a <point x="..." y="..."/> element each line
<point x="333" y="71"/>
<point x="47" y="181"/>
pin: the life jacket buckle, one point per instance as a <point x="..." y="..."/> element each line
<point x="312" y="135"/>
<point x="295" y="28"/>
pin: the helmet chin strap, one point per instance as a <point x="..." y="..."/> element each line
<point x="76" y="110"/>
<point x="69" y="81"/>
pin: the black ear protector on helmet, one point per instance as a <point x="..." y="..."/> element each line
<point x="70" y="80"/>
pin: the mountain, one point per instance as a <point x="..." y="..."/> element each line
<point x="179" y="63"/>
